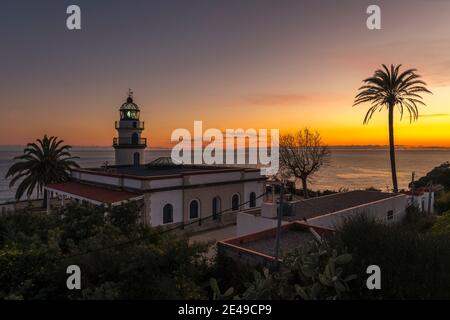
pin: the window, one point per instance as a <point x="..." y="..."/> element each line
<point x="194" y="209"/>
<point x="235" y="202"/>
<point x="216" y="208"/>
<point x="168" y="213"/>
<point x="390" y="215"/>
<point x="135" y="138"/>
<point x="252" y="202"/>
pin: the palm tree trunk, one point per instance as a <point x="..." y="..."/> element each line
<point x="392" y="147"/>
<point x="305" y="188"/>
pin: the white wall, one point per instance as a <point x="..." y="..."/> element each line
<point x="249" y="223"/>
<point x="422" y="201"/>
<point x="132" y="183"/>
<point x="158" y="200"/>
<point x="214" y="177"/>
<point x="114" y="181"/>
<point x="377" y="210"/>
<point x="125" y="156"/>
<point x="164" y="183"/>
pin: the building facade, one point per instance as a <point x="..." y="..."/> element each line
<point x="199" y="197"/>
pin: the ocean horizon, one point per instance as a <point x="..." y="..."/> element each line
<point x="351" y="167"/>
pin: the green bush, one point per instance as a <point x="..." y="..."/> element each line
<point x="438" y="175"/>
<point x="413" y="265"/>
<point x="139" y="262"/>
<point x="442" y="225"/>
<point x="443" y="201"/>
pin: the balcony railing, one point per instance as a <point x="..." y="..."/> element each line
<point x="130" y="142"/>
<point x="130" y="125"/>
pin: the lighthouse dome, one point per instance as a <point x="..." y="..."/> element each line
<point x="129" y="105"/>
<point x="129" y="110"/>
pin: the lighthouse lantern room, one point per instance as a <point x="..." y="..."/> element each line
<point x="129" y="146"/>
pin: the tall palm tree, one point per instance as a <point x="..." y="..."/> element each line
<point x="45" y="161"/>
<point x="390" y="88"/>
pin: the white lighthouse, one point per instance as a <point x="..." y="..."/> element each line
<point x="129" y="146"/>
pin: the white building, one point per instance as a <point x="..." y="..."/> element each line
<point x="423" y="199"/>
<point x="326" y="211"/>
<point x="195" y="196"/>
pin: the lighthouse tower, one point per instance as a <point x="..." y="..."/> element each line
<point x="129" y="146"/>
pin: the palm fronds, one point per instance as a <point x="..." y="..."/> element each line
<point x="45" y="161"/>
<point x="388" y="87"/>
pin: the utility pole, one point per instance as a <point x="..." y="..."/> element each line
<point x="280" y="215"/>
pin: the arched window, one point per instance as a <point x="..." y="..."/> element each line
<point x="235" y="202"/>
<point x="194" y="209"/>
<point x="216" y="208"/>
<point x="252" y="200"/>
<point x="168" y="213"/>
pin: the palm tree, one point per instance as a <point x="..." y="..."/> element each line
<point x="390" y="88"/>
<point x="43" y="162"/>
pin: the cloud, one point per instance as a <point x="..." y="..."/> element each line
<point x="433" y="115"/>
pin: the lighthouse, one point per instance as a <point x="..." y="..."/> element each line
<point x="129" y="146"/>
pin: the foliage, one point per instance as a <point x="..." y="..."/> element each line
<point x="442" y="225"/>
<point x="438" y="175"/>
<point x="418" y="220"/>
<point x="388" y="87"/>
<point x="43" y="162"/>
<point x="265" y="286"/>
<point x="443" y="201"/>
<point x="217" y="294"/>
<point x="229" y="273"/>
<point x="413" y="265"/>
<point x="320" y="272"/>
<point x="302" y="155"/>
<point x="139" y="262"/>
<point x="314" y="272"/>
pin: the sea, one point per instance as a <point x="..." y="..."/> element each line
<point x="350" y="168"/>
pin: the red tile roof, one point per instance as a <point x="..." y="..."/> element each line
<point x="95" y="193"/>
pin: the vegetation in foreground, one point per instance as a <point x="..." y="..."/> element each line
<point x="141" y="262"/>
<point x="35" y="250"/>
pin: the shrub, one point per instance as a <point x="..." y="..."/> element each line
<point x="442" y="225"/>
<point x="413" y="265"/>
<point x="438" y="175"/>
<point x="443" y="201"/>
<point x="138" y="261"/>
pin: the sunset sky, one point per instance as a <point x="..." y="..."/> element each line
<point x="232" y="64"/>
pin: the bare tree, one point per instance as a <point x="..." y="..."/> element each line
<point x="302" y="154"/>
